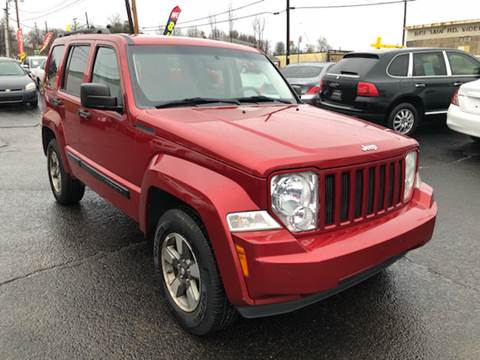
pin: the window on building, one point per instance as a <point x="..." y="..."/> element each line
<point x="55" y="62"/>
<point x="429" y="64"/>
<point x="462" y="64"/>
<point x="106" y="71"/>
<point x="399" y="66"/>
<point x="77" y="63"/>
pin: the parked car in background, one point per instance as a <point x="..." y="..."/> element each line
<point x="306" y="78"/>
<point x="32" y="62"/>
<point x="16" y="86"/>
<point x="464" y="112"/>
<point x="398" y="87"/>
<point x="38" y="74"/>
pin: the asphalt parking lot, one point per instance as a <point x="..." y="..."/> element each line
<point x="78" y="283"/>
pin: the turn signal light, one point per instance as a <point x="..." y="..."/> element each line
<point x="367" y="89"/>
<point x="242" y="256"/>
<point x="455" y="98"/>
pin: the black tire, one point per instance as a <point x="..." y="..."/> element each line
<point x="70" y="191"/>
<point x="409" y="110"/>
<point x="213" y="312"/>
<point x="475" y="139"/>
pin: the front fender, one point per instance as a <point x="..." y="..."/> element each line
<point x="212" y="196"/>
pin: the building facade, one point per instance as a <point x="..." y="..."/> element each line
<point x="463" y="35"/>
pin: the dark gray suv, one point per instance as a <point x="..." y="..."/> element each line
<point x="397" y="88"/>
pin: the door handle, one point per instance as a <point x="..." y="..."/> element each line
<point x="56" y="102"/>
<point x="458" y="83"/>
<point x="420" y="85"/>
<point x="84" y="114"/>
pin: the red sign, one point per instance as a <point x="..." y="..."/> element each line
<point x="172" y="20"/>
<point x="21" y="44"/>
<point x="46" y="41"/>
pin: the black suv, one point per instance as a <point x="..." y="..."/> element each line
<point x="397" y="87"/>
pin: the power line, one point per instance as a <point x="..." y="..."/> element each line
<point x="350" y="5"/>
<point x="63" y="7"/>
<point x="212" y="15"/>
<point x="42" y="11"/>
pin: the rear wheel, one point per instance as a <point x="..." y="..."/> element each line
<point x="67" y="190"/>
<point x="404" y="119"/>
<point x="190" y="280"/>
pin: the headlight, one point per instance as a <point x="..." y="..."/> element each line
<point x="410" y="171"/>
<point x="30" y="86"/>
<point x="295" y="200"/>
<point x="251" y="221"/>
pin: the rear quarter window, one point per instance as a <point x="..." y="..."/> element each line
<point x="354" y="65"/>
<point x="399" y="66"/>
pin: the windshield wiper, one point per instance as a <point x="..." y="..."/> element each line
<point x="196" y="101"/>
<point x="261" y="98"/>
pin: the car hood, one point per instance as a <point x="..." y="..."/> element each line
<point x="262" y="139"/>
<point x="14" y="82"/>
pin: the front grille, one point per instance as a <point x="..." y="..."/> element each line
<point x="360" y="192"/>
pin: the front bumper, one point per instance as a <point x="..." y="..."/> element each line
<point x="18" y="97"/>
<point x="463" y="122"/>
<point x="286" y="273"/>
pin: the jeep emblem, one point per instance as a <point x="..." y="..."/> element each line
<point x="369" y="147"/>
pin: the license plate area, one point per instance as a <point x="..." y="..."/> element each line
<point x="336" y="95"/>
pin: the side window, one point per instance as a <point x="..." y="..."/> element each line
<point x="106" y="71"/>
<point x="76" y="65"/>
<point x="55" y="62"/>
<point x="429" y="64"/>
<point x="399" y="66"/>
<point x="462" y="64"/>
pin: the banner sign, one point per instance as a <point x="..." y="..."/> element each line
<point x="172" y="21"/>
<point x="46" y="41"/>
<point x="21" y="45"/>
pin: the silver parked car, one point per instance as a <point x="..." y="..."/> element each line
<point x="306" y="78"/>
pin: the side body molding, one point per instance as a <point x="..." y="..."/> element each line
<point x="213" y="196"/>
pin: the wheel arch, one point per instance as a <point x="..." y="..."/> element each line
<point x="172" y="182"/>
<point x="408" y="98"/>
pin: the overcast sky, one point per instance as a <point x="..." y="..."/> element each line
<point x="347" y="28"/>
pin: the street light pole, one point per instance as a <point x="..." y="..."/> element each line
<point x="18" y="16"/>
<point x="287" y="60"/>
<point x="404" y="21"/>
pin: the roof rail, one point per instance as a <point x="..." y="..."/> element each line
<point x="86" y="31"/>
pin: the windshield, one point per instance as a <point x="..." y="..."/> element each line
<point x="302" y="72"/>
<point x="165" y="74"/>
<point x="10" y="68"/>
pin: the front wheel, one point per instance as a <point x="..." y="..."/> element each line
<point x="67" y="190"/>
<point x="404" y="119"/>
<point x="190" y="280"/>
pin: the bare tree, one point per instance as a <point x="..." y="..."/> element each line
<point x="279" y="48"/>
<point x="258" y="30"/>
<point x="322" y="44"/>
<point x="193" y="32"/>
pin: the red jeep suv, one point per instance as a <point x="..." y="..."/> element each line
<point x="256" y="204"/>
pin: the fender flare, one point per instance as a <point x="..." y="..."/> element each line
<point x="212" y="196"/>
<point x="52" y="121"/>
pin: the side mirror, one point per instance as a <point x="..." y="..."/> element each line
<point x="97" y="96"/>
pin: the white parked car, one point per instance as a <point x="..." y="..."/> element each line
<point x="38" y="74"/>
<point x="464" y="111"/>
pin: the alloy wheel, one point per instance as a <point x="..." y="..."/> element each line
<point x="54" y="171"/>
<point x="404" y="121"/>
<point x="181" y="272"/>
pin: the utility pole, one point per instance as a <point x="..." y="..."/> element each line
<point x="75" y="24"/>
<point x="135" y="17"/>
<point x="7" y="31"/>
<point x="86" y="20"/>
<point x="129" y="15"/>
<point x="46" y="27"/>
<point x="404" y="21"/>
<point x="18" y="16"/>
<point x="287" y="60"/>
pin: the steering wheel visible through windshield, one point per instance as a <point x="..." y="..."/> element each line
<point x="171" y="73"/>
